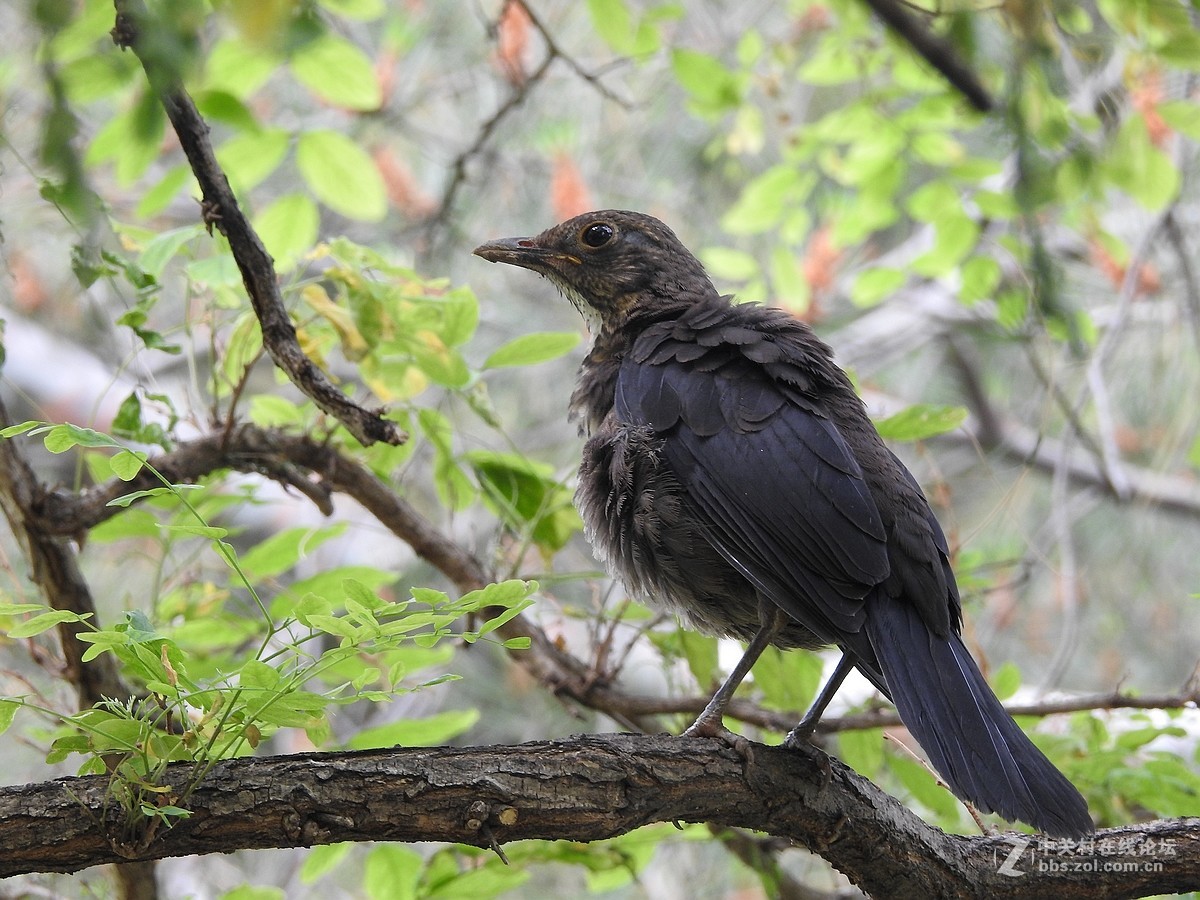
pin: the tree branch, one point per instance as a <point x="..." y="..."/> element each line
<point x="934" y="50"/>
<point x="586" y="789"/>
<point x="220" y="208"/>
<point x="54" y="568"/>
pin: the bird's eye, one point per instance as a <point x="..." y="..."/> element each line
<point x="597" y="235"/>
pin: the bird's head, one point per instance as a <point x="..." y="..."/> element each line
<point x="611" y="264"/>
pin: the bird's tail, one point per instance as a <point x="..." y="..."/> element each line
<point x="971" y="740"/>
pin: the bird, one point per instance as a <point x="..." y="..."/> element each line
<point x="730" y="474"/>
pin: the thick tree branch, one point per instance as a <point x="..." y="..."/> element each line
<point x="54" y="568"/>
<point x="587" y="789"/>
<point x="220" y="208"/>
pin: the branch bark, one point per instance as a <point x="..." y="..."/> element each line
<point x="589" y="788"/>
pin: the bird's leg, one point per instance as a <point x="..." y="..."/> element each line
<point x="708" y="723"/>
<point x="808" y="724"/>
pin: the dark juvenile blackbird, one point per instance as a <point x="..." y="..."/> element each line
<point x="732" y="475"/>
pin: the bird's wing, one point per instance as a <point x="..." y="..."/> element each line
<point x="786" y="499"/>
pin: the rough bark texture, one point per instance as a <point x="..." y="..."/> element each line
<point x="587" y="788"/>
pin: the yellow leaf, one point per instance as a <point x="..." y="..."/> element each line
<point x="353" y="344"/>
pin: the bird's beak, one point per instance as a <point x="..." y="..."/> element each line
<point x="524" y="252"/>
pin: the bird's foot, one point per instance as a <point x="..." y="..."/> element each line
<point x="797" y="738"/>
<point x="706" y="726"/>
<point x="801" y="734"/>
<point x="712" y="727"/>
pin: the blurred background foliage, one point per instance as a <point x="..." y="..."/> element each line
<point x="1016" y="294"/>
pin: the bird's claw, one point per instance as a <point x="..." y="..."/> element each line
<point x="714" y="729"/>
<point x="799" y="736"/>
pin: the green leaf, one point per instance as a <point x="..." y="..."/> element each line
<point x="44" y="622"/>
<point x="19" y="609"/>
<point x="530" y="349"/>
<point x="155" y="199"/>
<point x="126" y="499"/>
<point x="127" y="463"/>
<point x="874" y="285"/>
<point x="250" y="157"/>
<point x="700" y="651"/>
<point x="273" y="411"/>
<point x="24" y="427"/>
<point x="283" y="550"/>
<point x="441" y="362"/>
<point x="508" y="593"/>
<point x="923" y="786"/>
<point x="526" y="494"/>
<point x="956" y="236"/>
<point x="97" y="75"/>
<point x="8" y="711"/>
<point x="862" y="750"/>
<point x="426" y="732"/>
<point x="391" y="872"/>
<point x="1006" y="681"/>
<point x="921" y="421"/>
<point x="62" y="438"/>
<point x="163" y="247"/>
<point x="342" y="175"/>
<point x="980" y="278"/>
<point x="934" y="202"/>
<point x="323" y="859"/>
<point x="363" y="10"/>
<point x="288" y="228"/>
<point x="484" y="879"/>
<point x="460" y="315"/>
<point x="238" y="67"/>
<point x="728" y="264"/>
<point x="788" y="681"/>
<point x="205" y="531"/>
<point x="335" y="625"/>
<point x="223" y="106"/>
<point x="253" y="892"/>
<point x="712" y="86"/>
<point x="337" y="71"/>
<point x="131" y="139"/>
<point x="1183" y="116"/>
<point x="129" y="416"/>
<point x="1139" y="168"/>
<point x="763" y="201"/>
<point x="613" y="23"/>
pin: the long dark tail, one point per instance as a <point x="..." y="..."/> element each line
<point x="971" y="740"/>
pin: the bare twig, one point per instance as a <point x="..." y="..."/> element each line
<point x="591" y="78"/>
<point x="1191" y="284"/>
<point x="458" y="169"/>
